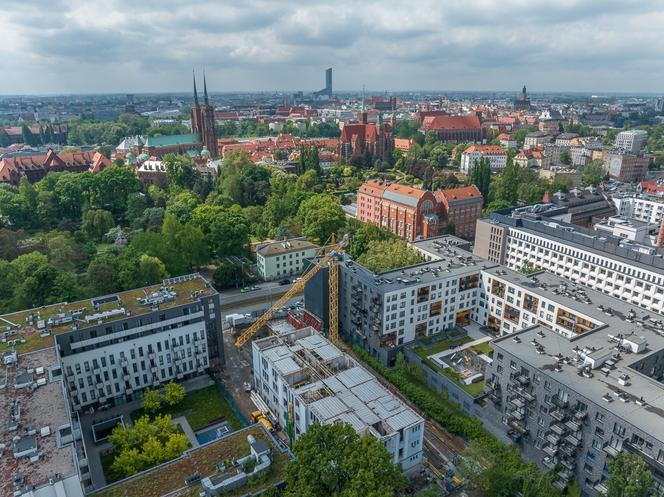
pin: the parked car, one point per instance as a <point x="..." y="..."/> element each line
<point x="255" y="287"/>
<point x="285" y="281"/>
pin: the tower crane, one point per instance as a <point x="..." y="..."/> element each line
<point x="330" y="260"/>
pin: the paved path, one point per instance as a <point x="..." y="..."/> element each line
<point x="186" y="428"/>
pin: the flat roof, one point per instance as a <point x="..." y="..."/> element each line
<point x="451" y="258"/>
<point x="33" y="329"/>
<point x="43" y="407"/>
<point x="340" y="389"/>
<point x="615" y="317"/>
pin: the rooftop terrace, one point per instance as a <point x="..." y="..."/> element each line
<point x="170" y="477"/>
<point x="37" y="407"/>
<point x="33" y="329"/>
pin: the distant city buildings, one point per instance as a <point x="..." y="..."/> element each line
<point x="631" y="140"/>
<point x="364" y="138"/>
<point x="497" y="157"/>
<point x="523" y="102"/>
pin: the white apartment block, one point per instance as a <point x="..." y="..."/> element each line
<point x="623" y="269"/>
<point x="304" y="379"/>
<point x="497" y="157"/>
<point x="631" y="140"/>
<point x="121" y="344"/>
<point x="286" y="258"/>
<point x="646" y="208"/>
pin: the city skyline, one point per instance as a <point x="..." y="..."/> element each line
<point x="116" y="47"/>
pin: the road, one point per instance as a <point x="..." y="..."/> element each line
<point x="268" y="292"/>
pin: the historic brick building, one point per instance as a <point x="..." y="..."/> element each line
<point x="408" y="212"/>
<point x="202" y="120"/>
<point x="455" y="129"/>
<point x="35" y="167"/>
<point x="357" y="139"/>
<point x="462" y="207"/>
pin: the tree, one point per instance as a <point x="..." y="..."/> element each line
<point x="226" y="230"/>
<point x="480" y="176"/>
<point x="184" y="246"/>
<point x="321" y="215"/>
<point x="565" y="157"/>
<point x="111" y="188"/>
<point x="183" y="205"/>
<point x="173" y="393"/>
<point x="226" y="275"/>
<point x="181" y="170"/>
<point x="529" y="268"/>
<point x="145" y="444"/>
<point x="366" y="233"/>
<point x="150" y="270"/>
<point x="630" y="476"/>
<point x="385" y="255"/>
<point x="506" y="186"/>
<point x="63" y="251"/>
<point x="136" y="205"/>
<point x="102" y="276"/>
<point x="451" y="228"/>
<point x="333" y="460"/>
<point x="151" y="401"/>
<point x="593" y="173"/>
<point x="497" y="205"/>
<point x="96" y="223"/>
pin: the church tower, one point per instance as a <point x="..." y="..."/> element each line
<point x="202" y="120"/>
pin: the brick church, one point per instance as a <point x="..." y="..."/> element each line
<point x="202" y="120"/>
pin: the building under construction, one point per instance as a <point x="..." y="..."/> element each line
<point x="305" y="379"/>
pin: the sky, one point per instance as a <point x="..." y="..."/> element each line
<point x="109" y="46"/>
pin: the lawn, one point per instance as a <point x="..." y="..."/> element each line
<point x="107" y="459"/>
<point x="483" y="348"/>
<point x="475" y="389"/>
<point x="201" y="408"/>
<point x="424" y="352"/>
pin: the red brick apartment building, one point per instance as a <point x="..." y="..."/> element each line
<point x="412" y="213"/>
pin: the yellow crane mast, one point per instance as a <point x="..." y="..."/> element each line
<point x="298" y="286"/>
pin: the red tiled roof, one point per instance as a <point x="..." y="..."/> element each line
<point x="374" y="187"/>
<point x="463" y="193"/>
<point x="470" y="121"/>
<point x="486" y="149"/>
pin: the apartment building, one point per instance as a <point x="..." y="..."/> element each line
<point x="642" y="207"/>
<point x="631" y="140"/>
<point x="286" y="258"/>
<point x="496" y="155"/>
<point x="536" y="138"/>
<point x="304" y="379"/>
<point x="577" y="379"/>
<point x="111" y="348"/>
<point x="385" y="311"/>
<point x="617" y="267"/>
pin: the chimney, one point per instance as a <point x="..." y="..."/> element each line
<point x="660" y="236"/>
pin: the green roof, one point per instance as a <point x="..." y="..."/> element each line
<point x="170" y="140"/>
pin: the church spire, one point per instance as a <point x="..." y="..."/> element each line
<point x="195" y="92"/>
<point x="205" y="90"/>
<point x="363" y="99"/>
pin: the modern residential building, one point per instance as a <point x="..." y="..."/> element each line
<point x="578" y="378"/>
<point x="639" y="206"/>
<point x="631" y="140"/>
<point x="462" y="207"/>
<point x="496" y="155"/>
<point x="406" y="211"/>
<point x="641" y="232"/>
<point x="455" y="129"/>
<point x="626" y="166"/>
<point x="383" y="312"/>
<point x="304" y="379"/>
<point x="111" y="348"/>
<point x="281" y="259"/>
<point x="609" y="264"/>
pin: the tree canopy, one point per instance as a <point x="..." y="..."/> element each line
<point x="388" y="254"/>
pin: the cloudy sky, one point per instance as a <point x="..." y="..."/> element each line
<point x="71" y="46"/>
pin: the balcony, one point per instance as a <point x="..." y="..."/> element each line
<point x="553" y="439"/>
<point x="558" y="415"/>
<point x="611" y="451"/>
<point x="558" y="429"/>
<point x="522" y="380"/>
<point x="557" y="401"/>
<point x="494" y="398"/>
<point x="568" y="464"/>
<point x="549" y="461"/>
<point x="527" y="396"/>
<point x="551" y="451"/>
<point x="517" y="402"/>
<point x="573" y="425"/>
<point x="568" y="450"/>
<point x="516" y="414"/>
<point x="571" y="439"/>
<point x="580" y="415"/>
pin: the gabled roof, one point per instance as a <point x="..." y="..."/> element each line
<point x="470" y="121"/>
<point x="460" y="194"/>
